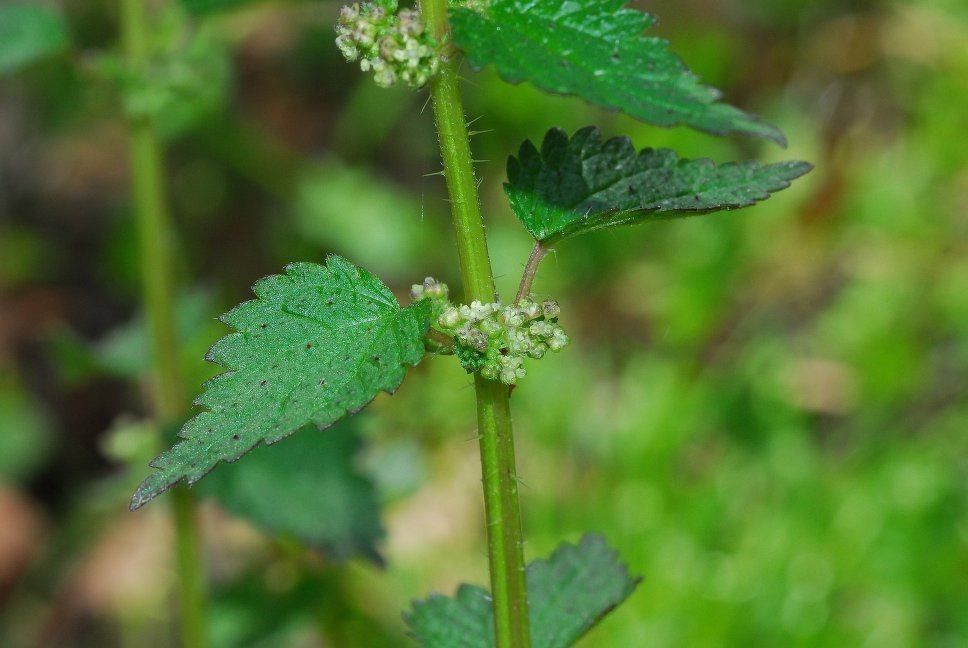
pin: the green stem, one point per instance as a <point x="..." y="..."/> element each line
<point x="504" y="537"/>
<point x="157" y="271"/>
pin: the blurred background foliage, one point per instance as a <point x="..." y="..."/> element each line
<point x="765" y="411"/>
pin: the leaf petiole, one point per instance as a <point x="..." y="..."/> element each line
<point x="538" y="253"/>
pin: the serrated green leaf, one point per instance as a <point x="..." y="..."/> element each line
<point x="568" y="593"/>
<point x="581" y="184"/>
<point x="465" y="621"/>
<point x="596" y="50"/>
<point x="574" y="589"/>
<point x="320" y="342"/>
<point x="308" y="487"/>
<point x="28" y="33"/>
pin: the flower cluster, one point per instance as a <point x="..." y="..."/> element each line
<point x="495" y="339"/>
<point x="396" y="46"/>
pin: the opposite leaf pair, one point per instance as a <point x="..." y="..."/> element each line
<point x="322" y="341"/>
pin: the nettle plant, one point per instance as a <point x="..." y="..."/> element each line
<point x="321" y="341"/>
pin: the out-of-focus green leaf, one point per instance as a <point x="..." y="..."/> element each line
<point x="308" y="487"/>
<point x="28" y="33"/>
<point x="315" y="606"/>
<point x="568" y="593"/>
<point x="338" y="204"/>
<point x="320" y="342"/>
<point x="187" y="78"/>
<point x="595" y="49"/>
<point x="205" y="7"/>
<point x="125" y="351"/>
<point x="25" y="433"/>
<point x="581" y="184"/>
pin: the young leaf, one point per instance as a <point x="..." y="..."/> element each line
<point x="306" y="486"/>
<point x="595" y="49"/>
<point x="582" y="184"/>
<point x="568" y="593"/>
<point x="28" y="33"/>
<point x="320" y="342"/>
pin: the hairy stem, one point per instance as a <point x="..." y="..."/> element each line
<point x="157" y="270"/>
<point x="504" y="536"/>
<point x="538" y="253"/>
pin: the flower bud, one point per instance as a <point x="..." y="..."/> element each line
<point x="449" y="318"/>
<point x="550" y="309"/>
<point x="529" y="310"/>
<point x="558" y="341"/>
<point x="537" y="350"/>
<point x="474" y="338"/>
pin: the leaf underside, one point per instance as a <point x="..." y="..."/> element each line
<point x="320" y="342"/>
<point x="582" y="184"/>
<point x="28" y="33"/>
<point x="596" y="50"/>
<point x="307" y="487"/>
<point x="568" y="593"/>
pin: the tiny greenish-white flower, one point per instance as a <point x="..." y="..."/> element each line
<point x="529" y="310"/>
<point x="550" y="309"/>
<point x="558" y="341"/>
<point x="450" y="318"/>
<point x="474" y="338"/>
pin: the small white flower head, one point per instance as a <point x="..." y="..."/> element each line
<point x="347" y="47"/>
<point x="558" y="341"/>
<point x="429" y="289"/>
<point x="477" y="311"/>
<point x="349" y="14"/>
<point x="490" y="327"/>
<point x="550" y="309"/>
<point x="396" y="46"/>
<point x="474" y="338"/>
<point x="529" y="310"/>
<point x="450" y="318"/>
<point x="410" y="23"/>
<point x="511" y="317"/>
<point x="383" y="74"/>
<point x="537" y="350"/>
<point x="543" y="330"/>
<point x="490" y="372"/>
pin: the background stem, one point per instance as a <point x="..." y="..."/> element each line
<point x="504" y="536"/>
<point x="157" y="272"/>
